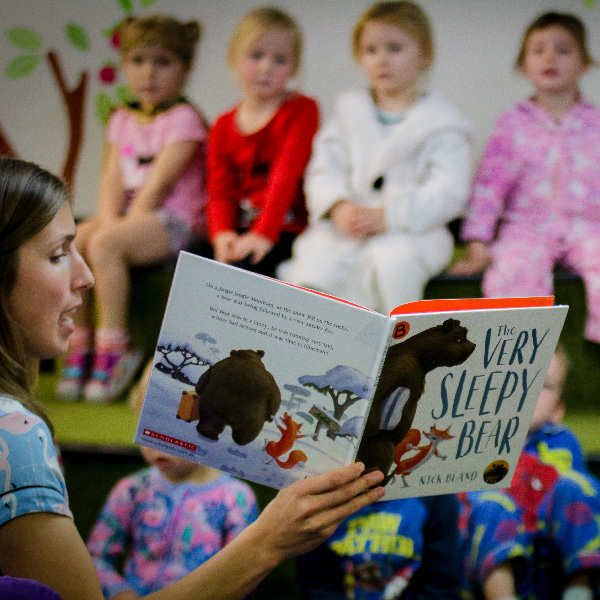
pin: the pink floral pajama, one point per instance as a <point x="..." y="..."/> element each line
<point x="536" y="202"/>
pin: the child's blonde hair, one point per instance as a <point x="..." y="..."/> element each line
<point x="160" y="30"/>
<point x="403" y="14"/>
<point x="569" y="22"/>
<point x="258" y="22"/>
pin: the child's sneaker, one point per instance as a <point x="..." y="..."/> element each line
<point x="74" y="374"/>
<point x="112" y="373"/>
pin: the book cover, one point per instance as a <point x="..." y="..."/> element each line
<point x="273" y="383"/>
<point x="457" y="393"/>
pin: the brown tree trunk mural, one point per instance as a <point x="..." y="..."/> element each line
<point x="74" y="101"/>
<point x="6" y="148"/>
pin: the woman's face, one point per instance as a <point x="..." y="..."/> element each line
<point x="51" y="275"/>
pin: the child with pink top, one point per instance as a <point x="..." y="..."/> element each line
<point x="152" y="199"/>
<point x="535" y="201"/>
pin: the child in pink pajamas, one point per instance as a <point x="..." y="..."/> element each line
<point x="535" y="201"/>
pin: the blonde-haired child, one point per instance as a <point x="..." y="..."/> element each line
<point x="535" y="201"/>
<point x="160" y="523"/>
<point x="258" y="151"/>
<point x="152" y="199"/>
<point x="387" y="174"/>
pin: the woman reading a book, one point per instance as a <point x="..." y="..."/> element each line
<point x="42" y="277"/>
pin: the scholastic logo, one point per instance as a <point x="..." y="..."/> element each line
<point x="170" y="440"/>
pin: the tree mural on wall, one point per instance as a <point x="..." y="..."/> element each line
<point x="32" y="52"/>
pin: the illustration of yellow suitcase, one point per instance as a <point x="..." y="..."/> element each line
<point x="188" y="407"/>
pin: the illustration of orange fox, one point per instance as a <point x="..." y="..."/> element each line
<point x="289" y="435"/>
<point x="424" y="453"/>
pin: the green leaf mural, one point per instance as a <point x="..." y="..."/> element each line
<point x="78" y="36"/>
<point x="24" y="38"/>
<point x="32" y="50"/>
<point x="21" y="66"/>
<point x="126" y="5"/>
<point x="104" y="106"/>
<point x="111" y="30"/>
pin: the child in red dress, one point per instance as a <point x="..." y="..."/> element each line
<point x="258" y="151"/>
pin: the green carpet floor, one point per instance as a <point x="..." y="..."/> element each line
<point x="88" y="424"/>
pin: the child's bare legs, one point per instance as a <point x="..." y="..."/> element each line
<point x="112" y="250"/>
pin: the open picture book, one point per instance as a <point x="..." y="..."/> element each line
<point x="273" y="383"/>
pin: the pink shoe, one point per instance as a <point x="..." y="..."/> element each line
<point x="112" y="373"/>
<point x="74" y="373"/>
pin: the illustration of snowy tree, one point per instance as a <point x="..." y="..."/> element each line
<point x="31" y="47"/>
<point x="344" y="385"/>
<point x="177" y="356"/>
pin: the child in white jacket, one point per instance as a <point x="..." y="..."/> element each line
<point x="387" y="174"/>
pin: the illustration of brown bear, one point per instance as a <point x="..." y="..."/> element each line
<point x="403" y="375"/>
<point x="237" y="391"/>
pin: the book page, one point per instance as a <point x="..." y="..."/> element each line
<point x="266" y="381"/>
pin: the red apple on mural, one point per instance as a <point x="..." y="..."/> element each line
<point x="115" y="39"/>
<point x="107" y="74"/>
